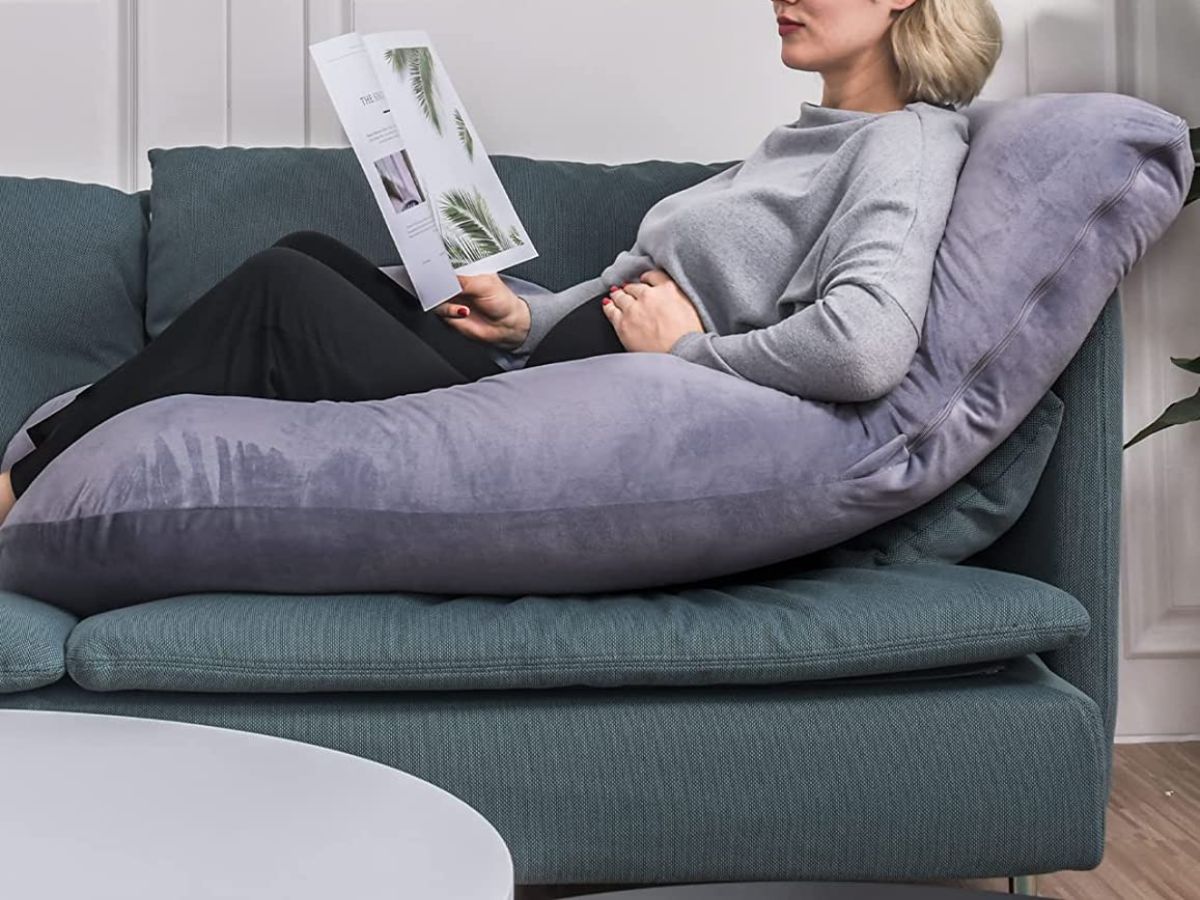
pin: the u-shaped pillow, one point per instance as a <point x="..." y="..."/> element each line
<point x="628" y="470"/>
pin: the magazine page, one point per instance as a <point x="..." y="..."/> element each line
<point x="388" y="165"/>
<point x="480" y="228"/>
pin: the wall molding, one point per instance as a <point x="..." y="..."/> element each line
<point x="1172" y="631"/>
<point x="127" y="95"/>
<point x="227" y="12"/>
<point x="1159" y="622"/>
<point x="323" y="19"/>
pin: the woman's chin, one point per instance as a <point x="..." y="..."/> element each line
<point x="799" y="62"/>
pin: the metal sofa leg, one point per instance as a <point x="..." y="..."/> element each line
<point x="1023" y="884"/>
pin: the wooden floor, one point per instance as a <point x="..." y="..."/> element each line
<point x="1153" y="838"/>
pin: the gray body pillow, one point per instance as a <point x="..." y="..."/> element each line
<point x="629" y="470"/>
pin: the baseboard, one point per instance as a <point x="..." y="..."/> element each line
<point x="1156" y="738"/>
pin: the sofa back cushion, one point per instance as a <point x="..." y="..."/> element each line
<point x="971" y="514"/>
<point x="213" y="207"/>
<point x="72" y="288"/>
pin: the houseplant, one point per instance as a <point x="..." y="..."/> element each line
<point x="1188" y="409"/>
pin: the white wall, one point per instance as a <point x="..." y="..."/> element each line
<point x="87" y="86"/>
<point x="90" y="85"/>
<point x="1160" y="673"/>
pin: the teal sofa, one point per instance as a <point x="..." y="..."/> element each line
<point x="881" y="712"/>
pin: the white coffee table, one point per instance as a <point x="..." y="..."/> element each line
<point x="114" y="807"/>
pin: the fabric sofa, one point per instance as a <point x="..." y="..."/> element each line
<point x="901" y="714"/>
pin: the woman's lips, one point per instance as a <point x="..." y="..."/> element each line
<point x="789" y="28"/>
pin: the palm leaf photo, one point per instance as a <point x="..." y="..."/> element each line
<point x="471" y="214"/>
<point x="480" y="235"/>
<point x="416" y="64"/>
<point x="464" y="134"/>
<point x="462" y="251"/>
<point x="469" y="230"/>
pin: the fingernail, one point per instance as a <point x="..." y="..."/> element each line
<point x="612" y="289"/>
<point x="605" y="301"/>
<point x="462" y="311"/>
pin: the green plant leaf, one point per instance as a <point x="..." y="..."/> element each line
<point x="1188" y="365"/>
<point x="425" y="86"/>
<point x="1178" y="413"/>
<point x="400" y="59"/>
<point x="515" y="236"/>
<point x="470" y="230"/>
<point x="464" y="134"/>
<point x="416" y="63"/>
<point x="462" y="250"/>
<point x="471" y="214"/>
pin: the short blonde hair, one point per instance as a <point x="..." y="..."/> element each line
<point x="946" y="49"/>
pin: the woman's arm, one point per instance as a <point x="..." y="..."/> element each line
<point x="853" y="345"/>
<point x="548" y="308"/>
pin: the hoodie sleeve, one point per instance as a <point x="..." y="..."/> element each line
<point x="548" y="308"/>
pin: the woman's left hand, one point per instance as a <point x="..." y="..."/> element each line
<point x="650" y="315"/>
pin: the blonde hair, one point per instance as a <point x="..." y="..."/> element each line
<point x="946" y="49"/>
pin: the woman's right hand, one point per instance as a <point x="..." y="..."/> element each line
<point x="487" y="310"/>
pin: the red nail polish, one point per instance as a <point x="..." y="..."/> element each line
<point x="462" y="311"/>
<point x="605" y="302"/>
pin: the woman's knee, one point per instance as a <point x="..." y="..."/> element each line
<point x="274" y="275"/>
<point x="306" y="240"/>
<point x="268" y="283"/>
<point x="270" y="266"/>
<point x="278" y="262"/>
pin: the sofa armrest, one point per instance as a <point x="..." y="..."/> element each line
<point x="1069" y="536"/>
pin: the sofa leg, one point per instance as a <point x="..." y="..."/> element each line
<point x="1023" y="884"/>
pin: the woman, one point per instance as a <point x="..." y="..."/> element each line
<point x="805" y="267"/>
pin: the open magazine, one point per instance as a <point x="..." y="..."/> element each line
<point x="443" y="202"/>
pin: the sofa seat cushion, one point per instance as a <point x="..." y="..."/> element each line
<point x="794" y="627"/>
<point x="33" y="637"/>
<point x="579" y="215"/>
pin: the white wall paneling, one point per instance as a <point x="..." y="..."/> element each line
<point x="623" y="85"/>
<point x="88" y="86"/>
<point x="64" y="101"/>
<point x="183" y="76"/>
<point x="1160" y="568"/>
<point x="323" y="19"/>
<point x="267" y="59"/>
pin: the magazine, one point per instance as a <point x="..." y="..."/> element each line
<point x="435" y="185"/>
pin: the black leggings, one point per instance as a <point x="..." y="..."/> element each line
<point x="306" y="319"/>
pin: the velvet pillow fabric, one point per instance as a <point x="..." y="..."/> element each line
<point x="629" y="470"/>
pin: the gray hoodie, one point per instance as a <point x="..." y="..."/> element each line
<point x="810" y="262"/>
